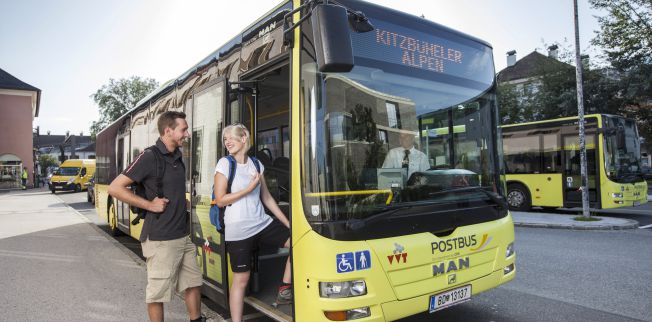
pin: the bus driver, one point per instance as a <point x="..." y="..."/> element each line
<point x="407" y="156"/>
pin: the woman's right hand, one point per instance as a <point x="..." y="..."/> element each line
<point x="255" y="181"/>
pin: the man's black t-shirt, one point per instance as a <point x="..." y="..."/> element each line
<point x="173" y="222"/>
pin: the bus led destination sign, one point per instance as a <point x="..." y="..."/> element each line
<point x="419" y="53"/>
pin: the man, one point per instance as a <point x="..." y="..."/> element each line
<point x="406" y="156"/>
<point x="165" y="237"/>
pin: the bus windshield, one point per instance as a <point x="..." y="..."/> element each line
<point x="622" y="152"/>
<point x="395" y="143"/>
<point x="67" y="171"/>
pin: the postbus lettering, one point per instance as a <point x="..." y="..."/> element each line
<point x="453" y="244"/>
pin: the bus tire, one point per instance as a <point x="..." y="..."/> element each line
<point x="518" y="197"/>
<point x="113" y="220"/>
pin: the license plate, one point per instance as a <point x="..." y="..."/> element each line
<point x="637" y="203"/>
<point x="449" y="298"/>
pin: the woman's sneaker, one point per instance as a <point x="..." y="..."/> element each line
<point x="284" y="295"/>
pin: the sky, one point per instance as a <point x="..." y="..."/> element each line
<point x="70" y="48"/>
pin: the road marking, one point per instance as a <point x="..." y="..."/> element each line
<point x="645" y="227"/>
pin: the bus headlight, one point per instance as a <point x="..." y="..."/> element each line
<point x="617" y="194"/>
<point x="510" y="250"/>
<point x="342" y="289"/>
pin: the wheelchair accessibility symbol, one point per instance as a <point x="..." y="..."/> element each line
<point x="349" y="262"/>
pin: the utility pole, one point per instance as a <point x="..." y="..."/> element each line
<point x="580" y="113"/>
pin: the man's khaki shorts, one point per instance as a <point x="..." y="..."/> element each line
<point x="171" y="265"/>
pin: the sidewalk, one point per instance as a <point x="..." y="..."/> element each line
<point x="566" y="221"/>
<point x="57" y="266"/>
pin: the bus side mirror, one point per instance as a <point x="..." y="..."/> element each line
<point x="330" y="29"/>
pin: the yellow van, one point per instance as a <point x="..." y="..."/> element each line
<point x="73" y="174"/>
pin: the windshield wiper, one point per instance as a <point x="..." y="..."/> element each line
<point x="355" y="224"/>
<point x="498" y="199"/>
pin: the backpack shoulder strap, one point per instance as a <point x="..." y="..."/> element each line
<point x="256" y="163"/>
<point x="232" y="168"/>
<point x="160" y="170"/>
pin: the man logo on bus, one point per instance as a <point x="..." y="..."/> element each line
<point x="451" y="266"/>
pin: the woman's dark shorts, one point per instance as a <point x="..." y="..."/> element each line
<point x="241" y="251"/>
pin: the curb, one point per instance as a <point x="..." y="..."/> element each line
<point x="631" y="224"/>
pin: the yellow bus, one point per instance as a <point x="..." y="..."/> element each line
<point x="330" y="91"/>
<point x="542" y="162"/>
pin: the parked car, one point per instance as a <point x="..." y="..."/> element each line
<point x="90" y="192"/>
<point x="73" y="174"/>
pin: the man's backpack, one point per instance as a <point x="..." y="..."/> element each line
<point x="139" y="187"/>
<point x="216" y="214"/>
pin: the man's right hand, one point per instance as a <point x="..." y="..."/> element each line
<point x="158" y="205"/>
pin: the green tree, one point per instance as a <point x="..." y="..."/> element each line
<point x="117" y="97"/>
<point x="509" y="102"/>
<point x="46" y="161"/>
<point x="625" y="32"/>
<point x="625" y="36"/>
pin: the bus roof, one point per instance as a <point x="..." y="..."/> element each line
<point x="225" y="49"/>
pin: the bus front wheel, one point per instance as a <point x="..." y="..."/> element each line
<point x="113" y="221"/>
<point x="518" y="197"/>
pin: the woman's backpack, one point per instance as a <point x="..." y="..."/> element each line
<point x="216" y="214"/>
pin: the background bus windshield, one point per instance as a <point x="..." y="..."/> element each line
<point x="622" y="153"/>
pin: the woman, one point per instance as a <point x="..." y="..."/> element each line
<point x="245" y="221"/>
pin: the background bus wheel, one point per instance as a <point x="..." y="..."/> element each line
<point x="518" y="198"/>
<point x="113" y="221"/>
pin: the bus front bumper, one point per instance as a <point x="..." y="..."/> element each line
<point x="400" y="309"/>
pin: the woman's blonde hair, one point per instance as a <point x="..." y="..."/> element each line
<point x="240" y="131"/>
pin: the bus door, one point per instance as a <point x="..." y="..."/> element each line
<point x="572" y="179"/>
<point x="265" y="111"/>
<point x="204" y="113"/>
<point x="122" y="208"/>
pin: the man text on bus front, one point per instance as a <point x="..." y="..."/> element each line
<point x="165" y="236"/>
<point x="406" y="156"/>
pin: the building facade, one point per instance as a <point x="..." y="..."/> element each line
<point x="19" y="105"/>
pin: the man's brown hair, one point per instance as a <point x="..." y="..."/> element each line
<point x="169" y="119"/>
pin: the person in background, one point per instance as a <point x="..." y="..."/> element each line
<point x="407" y="156"/>
<point x="245" y="221"/>
<point x="23" y="178"/>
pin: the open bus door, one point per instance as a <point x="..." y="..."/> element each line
<point x="122" y="208"/>
<point x="572" y="180"/>
<point x="205" y="117"/>
<point x="262" y="106"/>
